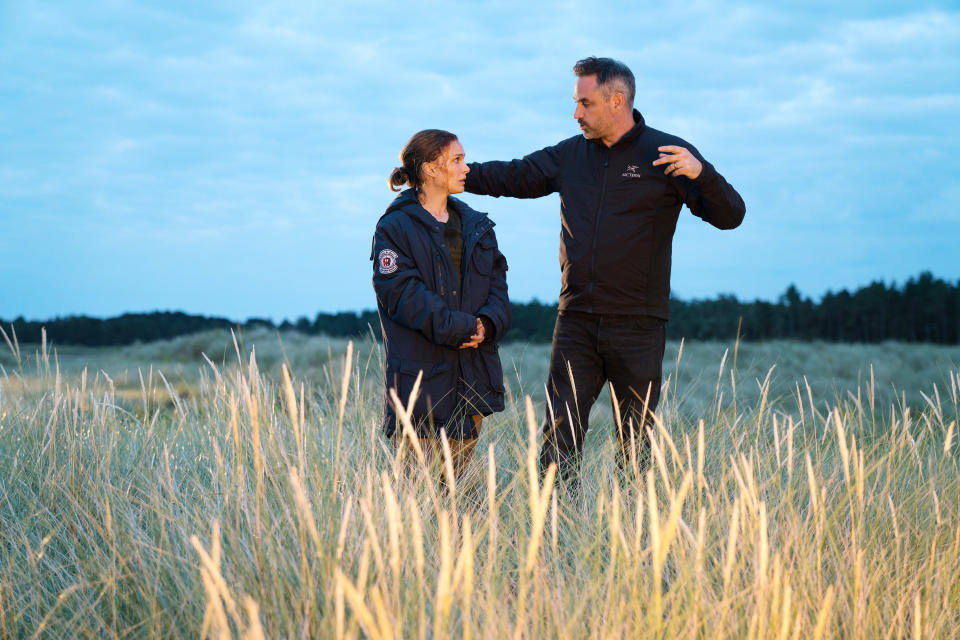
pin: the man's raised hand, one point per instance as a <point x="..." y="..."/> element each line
<point x="679" y="160"/>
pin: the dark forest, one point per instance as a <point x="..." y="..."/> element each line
<point x="923" y="309"/>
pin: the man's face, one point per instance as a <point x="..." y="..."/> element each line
<point x="594" y="111"/>
<point x="452" y="168"/>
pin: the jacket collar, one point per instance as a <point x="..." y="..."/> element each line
<point x="472" y="220"/>
<point x="638" y="126"/>
<point x="407" y="202"/>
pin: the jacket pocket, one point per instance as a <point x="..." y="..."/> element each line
<point x="437" y="387"/>
<point x="482" y="260"/>
<point x="491" y="361"/>
<point x="482" y="380"/>
<point x="430" y="369"/>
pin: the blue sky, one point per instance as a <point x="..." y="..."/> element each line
<point x="231" y="158"/>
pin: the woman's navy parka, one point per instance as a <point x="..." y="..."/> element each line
<point x="426" y="314"/>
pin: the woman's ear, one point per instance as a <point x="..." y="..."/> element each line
<point x="431" y="170"/>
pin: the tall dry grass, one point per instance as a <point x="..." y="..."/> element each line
<point x="245" y="503"/>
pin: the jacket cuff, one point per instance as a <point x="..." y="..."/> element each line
<point x="466" y="327"/>
<point x="707" y="174"/>
<point x="489" y="329"/>
<point x="493" y="314"/>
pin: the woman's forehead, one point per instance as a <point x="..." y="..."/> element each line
<point x="453" y="149"/>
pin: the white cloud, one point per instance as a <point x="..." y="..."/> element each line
<point x="278" y="122"/>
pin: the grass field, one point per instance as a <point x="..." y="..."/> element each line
<point x="202" y="487"/>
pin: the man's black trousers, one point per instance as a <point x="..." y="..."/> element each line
<point x="588" y="350"/>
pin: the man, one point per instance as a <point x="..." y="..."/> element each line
<point x="622" y="185"/>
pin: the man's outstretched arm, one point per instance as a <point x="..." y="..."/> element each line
<point x="531" y="176"/>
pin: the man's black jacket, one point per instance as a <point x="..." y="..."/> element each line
<point x="427" y="312"/>
<point x="618" y="214"/>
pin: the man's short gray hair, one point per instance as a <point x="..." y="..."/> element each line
<point x="612" y="76"/>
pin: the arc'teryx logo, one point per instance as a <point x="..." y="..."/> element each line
<point x="631" y="171"/>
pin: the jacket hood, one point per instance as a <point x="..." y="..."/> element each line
<point x="407" y="202"/>
<point x="403" y="199"/>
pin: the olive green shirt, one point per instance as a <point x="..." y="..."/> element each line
<point x="453" y="238"/>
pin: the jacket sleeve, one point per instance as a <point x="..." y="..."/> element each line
<point x="532" y="176"/>
<point x="497" y="306"/>
<point x="404" y="296"/>
<point x="711" y="197"/>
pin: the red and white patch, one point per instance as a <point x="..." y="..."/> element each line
<point x="387" y="260"/>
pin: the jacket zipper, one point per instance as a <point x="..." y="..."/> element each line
<point x="596" y="231"/>
<point x="440" y="273"/>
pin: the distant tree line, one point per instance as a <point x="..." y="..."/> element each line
<point x="924" y="309"/>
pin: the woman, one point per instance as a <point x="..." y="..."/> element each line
<point x="441" y="293"/>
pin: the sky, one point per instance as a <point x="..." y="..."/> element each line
<point x="231" y="158"/>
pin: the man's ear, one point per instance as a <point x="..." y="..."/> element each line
<point x="617" y="100"/>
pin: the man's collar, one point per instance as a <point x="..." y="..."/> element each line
<point x="638" y="126"/>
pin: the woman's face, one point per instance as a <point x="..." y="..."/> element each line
<point x="451" y="168"/>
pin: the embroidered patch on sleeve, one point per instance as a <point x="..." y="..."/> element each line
<point x="387" y="260"/>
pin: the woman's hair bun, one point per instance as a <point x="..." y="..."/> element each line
<point x="398" y="178"/>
